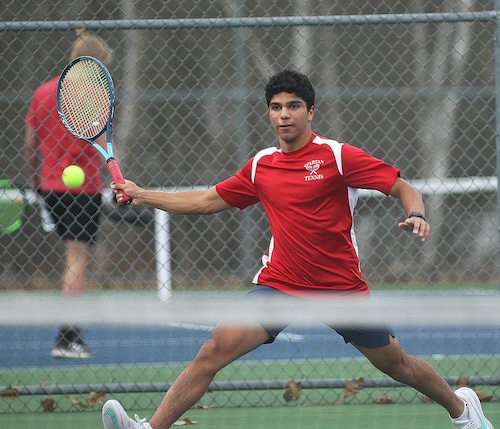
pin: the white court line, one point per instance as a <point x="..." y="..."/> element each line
<point x="282" y="336"/>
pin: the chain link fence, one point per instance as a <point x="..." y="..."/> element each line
<point x="413" y="84"/>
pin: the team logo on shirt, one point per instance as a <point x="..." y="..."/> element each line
<point x="313" y="167"/>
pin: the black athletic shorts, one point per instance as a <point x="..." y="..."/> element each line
<point x="76" y="216"/>
<point x="370" y="337"/>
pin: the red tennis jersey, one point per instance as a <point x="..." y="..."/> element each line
<point x="309" y="196"/>
<point x="58" y="147"/>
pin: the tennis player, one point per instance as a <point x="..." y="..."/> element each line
<point x="50" y="148"/>
<point x="308" y="188"/>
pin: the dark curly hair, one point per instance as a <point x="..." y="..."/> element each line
<point x="291" y="82"/>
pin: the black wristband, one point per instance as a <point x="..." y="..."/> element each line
<point x="417" y="214"/>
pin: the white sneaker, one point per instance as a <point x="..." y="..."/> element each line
<point x="115" y="417"/>
<point x="73" y="350"/>
<point x="476" y="418"/>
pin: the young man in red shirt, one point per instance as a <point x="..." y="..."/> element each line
<point x="308" y="188"/>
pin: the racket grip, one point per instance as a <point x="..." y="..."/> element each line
<point x="116" y="174"/>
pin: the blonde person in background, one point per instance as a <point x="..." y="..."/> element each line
<point x="50" y="148"/>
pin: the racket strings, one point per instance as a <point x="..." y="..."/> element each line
<point x="85" y="98"/>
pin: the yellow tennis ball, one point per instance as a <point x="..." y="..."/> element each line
<point x="73" y="176"/>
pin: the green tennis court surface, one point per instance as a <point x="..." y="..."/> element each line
<point x="407" y="416"/>
<point x="250" y="409"/>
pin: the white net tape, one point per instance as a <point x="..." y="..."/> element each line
<point x="143" y="309"/>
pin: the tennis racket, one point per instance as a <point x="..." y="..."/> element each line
<point x="86" y="104"/>
<point x="13" y="204"/>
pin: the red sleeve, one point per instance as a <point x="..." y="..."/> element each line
<point x="238" y="190"/>
<point x="363" y="171"/>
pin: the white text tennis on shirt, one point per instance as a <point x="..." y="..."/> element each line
<point x="312" y="167"/>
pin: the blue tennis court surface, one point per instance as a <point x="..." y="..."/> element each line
<point x="31" y="346"/>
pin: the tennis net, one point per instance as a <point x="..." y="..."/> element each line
<point x="141" y="344"/>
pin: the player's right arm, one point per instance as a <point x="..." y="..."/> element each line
<point x="196" y="202"/>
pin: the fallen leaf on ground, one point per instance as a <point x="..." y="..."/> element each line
<point x="483" y="396"/>
<point x="462" y="382"/>
<point x="48" y="405"/>
<point x="292" y="391"/>
<point x="351" y="388"/>
<point x="185" y="422"/>
<point x="9" y="392"/>
<point x="386" y="399"/>
<point x="95" y="398"/>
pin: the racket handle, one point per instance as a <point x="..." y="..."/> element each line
<point x="116" y="174"/>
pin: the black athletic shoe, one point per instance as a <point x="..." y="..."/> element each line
<point x="70" y="345"/>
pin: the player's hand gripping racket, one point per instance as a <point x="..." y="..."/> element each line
<point x="86" y="105"/>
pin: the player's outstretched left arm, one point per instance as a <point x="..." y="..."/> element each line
<point x="412" y="202"/>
